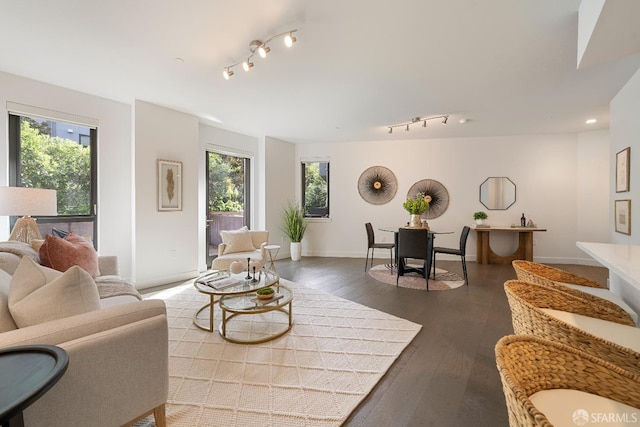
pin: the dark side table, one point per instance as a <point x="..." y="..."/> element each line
<point x="26" y="373"/>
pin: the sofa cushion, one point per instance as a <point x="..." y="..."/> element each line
<point x="6" y="321"/>
<point x="38" y="294"/>
<point x="237" y="240"/>
<point x="62" y="254"/>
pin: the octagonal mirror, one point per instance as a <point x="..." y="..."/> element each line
<point x="497" y="193"/>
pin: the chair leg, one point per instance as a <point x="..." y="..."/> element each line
<point x="464" y="271"/>
<point x="366" y="260"/>
<point x="434" y="266"/>
<point x="390" y="261"/>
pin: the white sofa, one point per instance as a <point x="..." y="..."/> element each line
<point x="238" y="245"/>
<point x="118" y="355"/>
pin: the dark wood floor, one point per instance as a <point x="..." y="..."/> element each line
<point x="447" y="375"/>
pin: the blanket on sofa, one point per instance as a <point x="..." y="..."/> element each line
<point x="111" y="286"/>
<point x="19" y="248"/>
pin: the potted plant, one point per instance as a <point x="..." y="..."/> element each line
<point x="416" y="206"/>
<point x="480" y="217"/>
<point x="294" y="225"/>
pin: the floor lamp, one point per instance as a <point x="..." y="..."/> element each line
<point x="27" y="201"/>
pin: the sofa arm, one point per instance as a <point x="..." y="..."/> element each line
<point x="118" y="365"/>
<point x="108" y="265"/>
<point x="67" y="329"/>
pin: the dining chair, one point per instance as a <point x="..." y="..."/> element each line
<point x="545" y="383"/>
<point x="372" y="245"/>
<point x="414" y="244"/>
<point x="461" y="252"/>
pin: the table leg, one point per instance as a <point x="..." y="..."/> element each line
<point x="203" y="308"/>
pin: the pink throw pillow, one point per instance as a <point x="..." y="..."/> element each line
<point x="62" y="254"/>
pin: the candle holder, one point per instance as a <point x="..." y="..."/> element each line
<point x="253" y="280"/>
<point x="248" y="269"/>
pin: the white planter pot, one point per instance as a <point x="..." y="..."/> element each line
<point x="296" y="251"/>
<point x="480" y="221"/>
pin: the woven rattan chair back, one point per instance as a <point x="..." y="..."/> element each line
<point x="525" y="301"/>
<point x="529" y="364"/>
<point x="545" y="275"/>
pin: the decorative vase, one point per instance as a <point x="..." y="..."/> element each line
<point x="296" y="251"/>
<point x="415" y="221"/>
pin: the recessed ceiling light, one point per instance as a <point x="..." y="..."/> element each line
<point x="591" y="121"/>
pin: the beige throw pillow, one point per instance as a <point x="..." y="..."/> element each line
<point x="237" y="240"/>
<point x="38" y="294"/>
<point x="6" y="321"/>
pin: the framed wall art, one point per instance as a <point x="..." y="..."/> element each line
<point x="622" y="215"/>
<point x="622" y="170"/>
<point x="169" y="185"/>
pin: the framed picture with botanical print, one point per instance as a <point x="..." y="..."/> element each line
<point x="622" y="214"/>
<point x="169" y="185"/>
<point x="622" y="170"/>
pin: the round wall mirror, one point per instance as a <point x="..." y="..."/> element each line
<point x="497" y="193"/>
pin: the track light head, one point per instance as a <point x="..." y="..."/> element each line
<point x="227" y="73"/>
<point x="289" y="40"/>
<point x="444" y="121"/>
<point x="246" y="65"/>
<point x="424" y="124"/>
<point x="263" y="50"/>
<point x="390" y="129"/>
<point x="407" y="128"/>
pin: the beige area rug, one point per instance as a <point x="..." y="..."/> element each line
<point x="315" y="375"/>
<point x="444" y="280"/>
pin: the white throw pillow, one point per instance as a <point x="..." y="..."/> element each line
<point x="237" y="240"/>
<point x="6" y="321"/>
<point x="38" y="294"/>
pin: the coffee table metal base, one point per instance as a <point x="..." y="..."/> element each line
<point x="197" y="321"/>
<point x="225" y="320"/>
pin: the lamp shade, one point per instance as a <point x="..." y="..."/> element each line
<point x="28" y="201"/>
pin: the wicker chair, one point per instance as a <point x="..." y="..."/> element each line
<point x="571" y="283"/>
<point x="528" y="365"/>
<point x="528" y="301"/>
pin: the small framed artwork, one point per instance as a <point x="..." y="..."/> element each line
<point x="169" y="185"/>
<point x="622" y="214"/>
<point x="622" y="170"/>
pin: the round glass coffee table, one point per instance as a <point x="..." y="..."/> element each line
<point x="256" y="330"/>
<point x="223" y="283"/>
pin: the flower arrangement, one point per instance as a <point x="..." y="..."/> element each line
<point x="417" y="205"/>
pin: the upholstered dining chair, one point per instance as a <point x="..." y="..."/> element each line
<point x="372" y="245"/>
<point x="583" y="287"/>
<point x="547" y="383"/>
<point x="461" y="252"/>
<point x="560" y="317"/>
<point x="414" y="244"/>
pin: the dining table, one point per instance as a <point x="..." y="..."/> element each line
<point x="394" y="230"/>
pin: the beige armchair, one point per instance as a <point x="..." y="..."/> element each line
<point x="238" y="245"/>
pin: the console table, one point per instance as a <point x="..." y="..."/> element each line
<point x="484" y="254"/>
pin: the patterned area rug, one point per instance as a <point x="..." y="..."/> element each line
<point x="444" y="280"/>
<point x="314" y="375"/>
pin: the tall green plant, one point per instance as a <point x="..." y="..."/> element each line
<point x="294" y="224"/>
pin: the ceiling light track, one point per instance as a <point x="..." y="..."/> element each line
<point x="262" y="49"/>
<point x="421" y="120"/>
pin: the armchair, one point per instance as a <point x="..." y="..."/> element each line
<point x="238" y="245"/>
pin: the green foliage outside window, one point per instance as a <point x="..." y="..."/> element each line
<point x="59" y="164"/>
<point x="316" y="188"/>
<point x="226" y="183"/>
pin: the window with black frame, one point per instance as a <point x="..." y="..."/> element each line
<point x="315" y="184"/>
<point x="58" y="155"/>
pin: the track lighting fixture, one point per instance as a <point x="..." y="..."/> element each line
<point x="415" y="120"/>
<point x="262" y="48"/>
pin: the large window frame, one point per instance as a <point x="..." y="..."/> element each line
<point x="311" y="209"/>
<point x="15" y="172"/>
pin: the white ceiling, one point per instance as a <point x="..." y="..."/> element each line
<point x="508" y="66"/>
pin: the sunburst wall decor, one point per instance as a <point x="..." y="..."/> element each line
<point x="439" y="196"/>
<point x="377" y="185"/>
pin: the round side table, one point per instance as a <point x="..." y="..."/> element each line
<point x="272" y="250"/>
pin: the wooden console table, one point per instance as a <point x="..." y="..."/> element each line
<point x="485" y="255"/>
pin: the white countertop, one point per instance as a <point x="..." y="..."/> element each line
<point x="624" y="260"/>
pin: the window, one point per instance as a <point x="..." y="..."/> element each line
<point x="61" y="156"/>
<point x="315" y="184"/>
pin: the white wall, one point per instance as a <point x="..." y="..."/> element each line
<point x="550" y="190"/>
<point x="166" y="243"/>
<point x="280" y="188"/>
<point x="114" y="156"/>
<point x="625" y="132"/>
